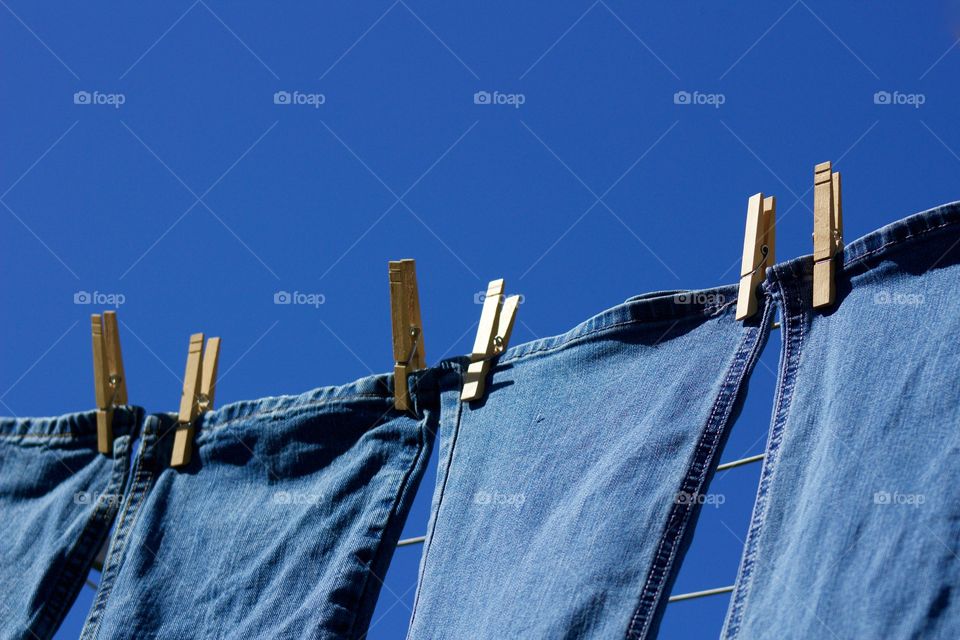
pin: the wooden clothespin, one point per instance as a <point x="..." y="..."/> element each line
<point x="408" y="349"/>
<point x="827" y="232"/>
<point x="199" y="386"/>
<point x="493" y="337"/>
<point x="110" y="384"/>
<point x="759" y="248"/>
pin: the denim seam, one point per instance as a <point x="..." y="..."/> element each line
<point x="714" y="311"/>
<point x="897" y="241"/>
<point x="141" y="478"/>
<point x="697" y="471"/>
<point x="67" y="579"/>
<point x="60" y="438"/>
<point x="277" y="410"/>
<point x="440" y="494"/>
<point x="52" y="436"/>
<point x="79" y="426"/>
<point x="768" y="474"/>
<point x="416" y="460"/>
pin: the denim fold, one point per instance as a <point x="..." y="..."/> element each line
<point x="855" y="531"/>
<point x="58" y="500"/>
<point x="282" y="525"/>
<point x="566" y="497"/>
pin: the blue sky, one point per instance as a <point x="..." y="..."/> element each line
<point x="194" y="159"/>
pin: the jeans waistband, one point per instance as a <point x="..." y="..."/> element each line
<point x="652" y="308"/>
<point x="376" y="389"/>
<point x="866" y="252"/>
<point x="68" y="428"/>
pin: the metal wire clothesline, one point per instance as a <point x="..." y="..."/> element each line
<point x="680" y="596"/>
<point x="407" y="542"/>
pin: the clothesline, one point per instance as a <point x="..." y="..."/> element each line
<point x="726" y="465"/>
<point x="680" y="596"/>
<point x="677" y="598"/>
<point x="700" y="594"/>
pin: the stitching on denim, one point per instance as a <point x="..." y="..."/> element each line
<point x="896" y="241"/>
<point x="134" y="499"/>
<point x="68" y="579"/>
<point x="642" y="610"/>
<point x="791" y="360"/>
<point x="747" y="351"/>
<point x="435" y="516"/>
<point x="747" y="359"/>
<point x="310" y="405"/>
<point x="56" y="603"/>
<point x="41" y="436"/>
<point x="714" y="311"/>
<point x="404" y="486"/>
<point x="125" y="423"/>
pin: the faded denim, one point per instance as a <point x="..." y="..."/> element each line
<point x="58" y="498"/>
<point x="281" y="526"/>
<point x="566" y="498"/>
<point x="856" y="528"/>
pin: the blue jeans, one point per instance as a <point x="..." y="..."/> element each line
<point x="856" y="528"/>
<point x="282" y="525"/>
<point x="567" y="496"/>
<point x="565" y="499"/>
<point x="58" y="497"/>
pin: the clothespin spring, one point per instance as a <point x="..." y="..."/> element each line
<point x="764" y="251"/>
<point x="113" y="381"/>
<point x="499" y="346"/>
<point x="414" y="342"/>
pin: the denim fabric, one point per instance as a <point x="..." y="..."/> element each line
<point x="58" y="498"/>
<point x="856" y="528"/>
<point x="566" y="497"/>
<point x="281" y="526"/>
